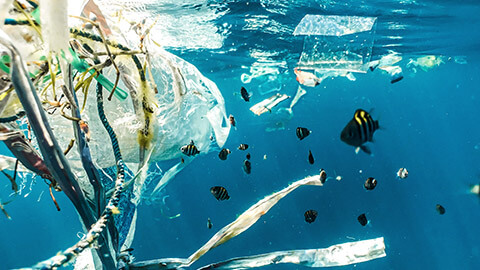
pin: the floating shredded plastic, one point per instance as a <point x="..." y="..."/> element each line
<point x="332" y="25"/>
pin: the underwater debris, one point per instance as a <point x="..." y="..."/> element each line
<point x="305" y="78"/>
<point x="268" y="104"/>
<point x="336" y="255"/>
<point x="475" y="189"/>
<point x="4" y="211"/>
<point x="300" y="93"/>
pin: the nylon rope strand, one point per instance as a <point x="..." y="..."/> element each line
<point x="112" y="207"/>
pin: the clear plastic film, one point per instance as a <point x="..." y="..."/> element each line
<point x="330" y="48"/>
<point x="336" y="255"/>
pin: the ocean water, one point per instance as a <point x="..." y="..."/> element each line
<point x="429" y="125"/>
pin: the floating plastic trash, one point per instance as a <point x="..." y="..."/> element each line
<point x="267" y="104"/>
<point x="329" y="47"/>
<point x="332" y="25"/>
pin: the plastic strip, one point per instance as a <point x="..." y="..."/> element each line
<point x="336" y="255"/>
<point x="267" y="104"/>
<point x="241" y="224"/>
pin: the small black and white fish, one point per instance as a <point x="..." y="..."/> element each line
<point x="248" y="156"/>
<point x="440" y="209"/>
<point x="311" y="160"/>
<point x="209" y="223"/>
<point x="302" y="132"/>
<point x="224" y="153"/>
<point x="370" y="183"/>
<point x="362" y="219"/>
<point x="220" y="193"/>
<point x="243" y="147"/>
<point x="232" y="120"/>
<point x="247" y="166"/>
<point x="245" y="95"/>
<point x="402" y="173"/>
<point x="310" y="216"/>
<point x="323" y="176"/>
<point x="190" y="149"/>
<point x="359" y="131"/>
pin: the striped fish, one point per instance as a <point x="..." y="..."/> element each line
<point x="190" y="149"/>
<point x="220" y="193"/>
<point x="302" y="132"/>
<point x="359" y="130"/>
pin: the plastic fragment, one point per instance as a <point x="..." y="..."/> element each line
<point x="336" y="255"/>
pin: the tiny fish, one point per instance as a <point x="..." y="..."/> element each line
<point x="248" y="156"/>
<point x="359" y="130"/>
<point x="190" y="149"/>
<point x="310" y="157"/>
<point x="440" y="209"/>
<point x="323" y="176"/>
<point x="247" y="166"/>
<point x="370" y="183"/>
<point x="232" y="120"/>
<point x="402" y="173"/>
<point x="245" y="94"/>
<point x="243" y="147"/>
<point x="224" y="153"/>
<point x="209" y="223"/>
<point x="302" y="132"/>
<point x="362" y="219"/>
<point x="310" y="216"/>
<point x="265" y="157"/>
<point x="220" y="193"/>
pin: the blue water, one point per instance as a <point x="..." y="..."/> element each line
<point x="429" y="124"/>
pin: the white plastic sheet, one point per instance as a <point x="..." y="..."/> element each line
<point x="336" y="255"/>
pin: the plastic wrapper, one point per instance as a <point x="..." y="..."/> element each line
<point x="329" y="46"/>
<point x="267" y="104"/>
<point x="336" y="255"/>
